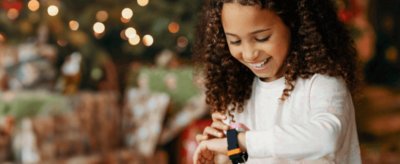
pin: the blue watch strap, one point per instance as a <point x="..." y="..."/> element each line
<point x="234" y="152"/>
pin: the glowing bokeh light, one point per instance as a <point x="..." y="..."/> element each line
<point x="143" y="2"/>
<point x="173" y="27"/>
<point x="102" y="16"/>
<point x="12" y="14"/>
<point x="182" y="42"/>
<point x="99" y="27"/>
<point x="52" y="10"/>
<point x="33" y="5"/>
<point x="134" y="41"/>
<point x="130" y="32"/>
<point x="127" y="13"/>
<point x="148" y="40"/>
<point x="74" y="25"/>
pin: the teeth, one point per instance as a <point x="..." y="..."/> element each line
<point x="259" y="65"/>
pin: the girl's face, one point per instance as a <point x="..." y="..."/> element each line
<point x="256" y="37"/>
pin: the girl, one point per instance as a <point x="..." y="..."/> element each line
<point x="284" y="70"/>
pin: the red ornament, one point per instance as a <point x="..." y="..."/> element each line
<point x="345" y="15"/>
<point x="348" y="12"/>
<point x="12" y="4"/>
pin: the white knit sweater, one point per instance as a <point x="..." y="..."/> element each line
<point x="316" y="124"/>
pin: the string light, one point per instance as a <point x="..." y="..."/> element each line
<point x="173" y="27"/>
<point x="127" y="13"/>
<point x="12" y="14"/>
<point x="102" y="16"/>
<point x="73" y="25"/>
<point x="52" y="10"/>
<point x="148" y="40"/>
<point x="33" y="5"/>
<point x="143" y="2"/>
<point x="130" y="32"/>
<point x="98" y="27"/>
<point x="134" y="41"/>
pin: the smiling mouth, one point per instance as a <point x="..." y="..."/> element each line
<point x="260" y="64"/>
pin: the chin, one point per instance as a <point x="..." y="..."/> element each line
<point x="262" y="75"/>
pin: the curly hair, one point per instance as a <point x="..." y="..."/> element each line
<point x="320" y="43"/>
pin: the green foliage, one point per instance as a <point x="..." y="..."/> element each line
<point x="32" y="103"/>
<point x="152" y="19"/>
<point x="185" y="88"/>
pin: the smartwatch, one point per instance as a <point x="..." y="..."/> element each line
<point x="234" y="152"/>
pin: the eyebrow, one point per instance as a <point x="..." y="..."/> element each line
<point x="254" y="32"/>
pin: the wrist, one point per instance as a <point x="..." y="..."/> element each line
<point x="242" y="141"/>
<point x="217" y="145"/>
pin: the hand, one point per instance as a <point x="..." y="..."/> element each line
<point x="205" y="151"/>
<point x="203" y="155"/>
<point x="216" y="130"/>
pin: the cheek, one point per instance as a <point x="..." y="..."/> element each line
<point x="234" y="52"/>
<point x="280" y="59"/>
<point x="281" y="50"/>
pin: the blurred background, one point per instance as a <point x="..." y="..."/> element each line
<point x="112" y="81"/>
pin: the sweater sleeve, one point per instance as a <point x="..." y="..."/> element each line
<point x="317" y="137"/>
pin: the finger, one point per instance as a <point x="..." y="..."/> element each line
<point x="201" y="137"/>
<point x="219" y="125"/>
<point x="218" y="116"/>
<point x="196" y="156"/>
<point x="212" y="132"/>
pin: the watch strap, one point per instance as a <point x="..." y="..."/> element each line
<point x="234" y="152"/>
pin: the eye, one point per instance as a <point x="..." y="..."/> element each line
<point x="263" y="39"/>
<point x="235" y="42"/>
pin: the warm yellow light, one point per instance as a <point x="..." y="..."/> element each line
<point x="148" y="40"/>
<point x="12" y="14"/>
<point x="101" y="16"/>
<point x="52" y="10"/>
<point x="173" y="27"/>
<point x="143" y="2"/>
<point x="134" y="41"/>
<point x="127" y="13"/>
<point x="99" y="27"/>
<point x="130" y="32"/>
<point x="73" y="25"/>
<point x="33" y="5"/>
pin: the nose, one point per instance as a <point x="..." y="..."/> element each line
<point x="249" y="53"/>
